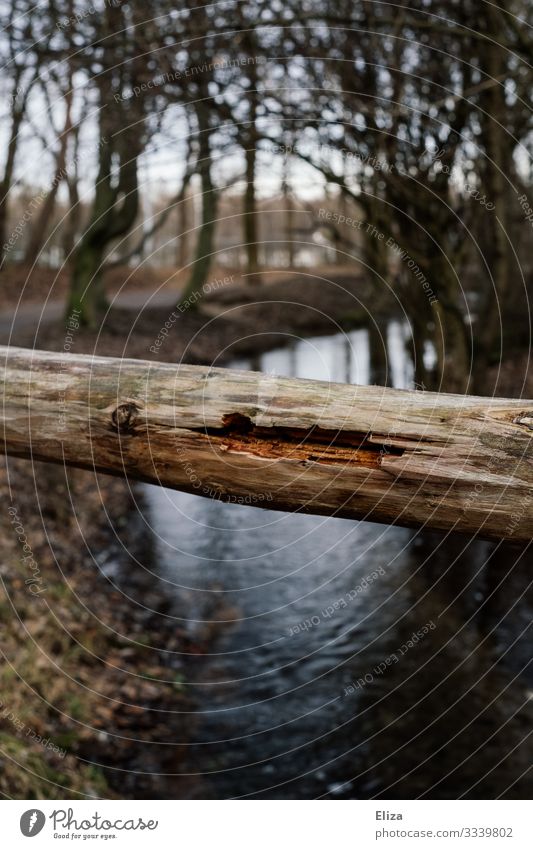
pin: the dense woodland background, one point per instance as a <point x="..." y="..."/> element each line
<point x="179" y="135"/>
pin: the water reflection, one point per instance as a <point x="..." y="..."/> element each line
<point x="374" y="355"/>
<point x="342" y="358"/>
<point x="300" y="695"/>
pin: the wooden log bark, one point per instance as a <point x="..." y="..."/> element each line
<point x="410" y="458"/>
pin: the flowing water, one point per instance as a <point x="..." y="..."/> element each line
<point x="346" y="659"/>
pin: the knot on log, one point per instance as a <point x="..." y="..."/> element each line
<point x="123" y="417"/>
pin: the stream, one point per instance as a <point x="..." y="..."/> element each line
<point x="346" y="659"/>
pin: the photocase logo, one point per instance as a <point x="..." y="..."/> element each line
<point x="32" y="822"/>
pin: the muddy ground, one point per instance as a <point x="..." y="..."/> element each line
<point x="228" y="319"/>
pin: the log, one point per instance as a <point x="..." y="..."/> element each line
<point x="410" y="458"/>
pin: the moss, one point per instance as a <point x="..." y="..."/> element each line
<point x="28" y="772"/>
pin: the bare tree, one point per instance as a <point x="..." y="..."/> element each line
<point x="119" y="74"/>
<point x="41" y="222"/>
<point x="22" y="71"/>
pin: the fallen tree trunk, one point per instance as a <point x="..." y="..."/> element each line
<point x="409" y="458"/>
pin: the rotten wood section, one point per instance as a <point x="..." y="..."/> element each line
<point x="410" y="458"/>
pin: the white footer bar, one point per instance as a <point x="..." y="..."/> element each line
<point x="267" y="824"/>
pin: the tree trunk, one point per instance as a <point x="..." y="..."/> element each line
<point x="184" y="225"/>
<point x="41" y="225"/>
<point x="377" y="343"/>
<point x="454" y="371"/>
<point x="116" y="199"/>
<point x="343" y="243"/>
<point x="250" y="218"/>
<point x="289" y="230"/>
<point x="289" y="213"/>
<point x="17" y="115"/>
<point x="497" y="169"/>
<point x="73" y="218"/>
<point x="71" y="224"/>
<point x="109" y="220"/>
<point x="413" y="458"/>
<point x="206" y="235"/>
